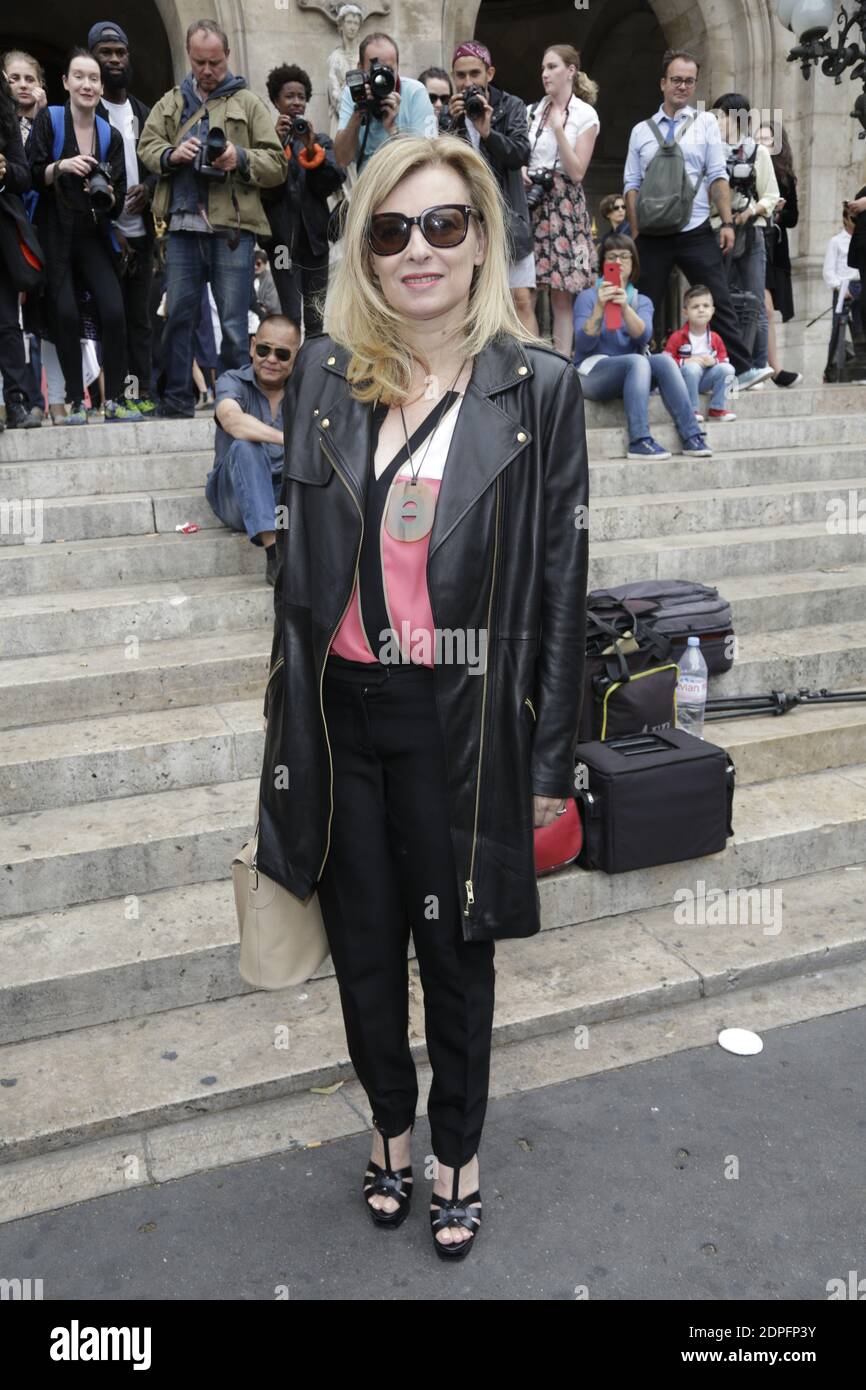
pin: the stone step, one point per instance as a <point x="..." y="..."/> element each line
<point x="714" y="557"/>
<point x="75" y="762"/>
<point x="717" y="509"/>
<point x="763" y="467"/>
<point x="738" y="435"/>
<point x="73" y="854"/>
<point x="831" y="655"/>
<point x="124" y="474"/>
<point x="116" y="1077"/>
<point x="38" y="624"/>
<point x="126" y="560"/>
<point x="134" y="676"/>
<point x="176" y="436"/>
<point x="52" y="519"/>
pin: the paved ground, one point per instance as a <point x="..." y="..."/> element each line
<point x="614" y="1183"/>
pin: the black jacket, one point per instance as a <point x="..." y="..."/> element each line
<point x="857" y="249"/>
<point x="506" y="150"/>
<point x="303" y="199"/>
<point x="17" y="178"/>
<point x="507" y="557"/>
<point x="66" y="200"/>
<point x="141" y="112"/>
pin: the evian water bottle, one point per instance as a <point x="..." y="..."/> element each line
<point x="692" y="689"/>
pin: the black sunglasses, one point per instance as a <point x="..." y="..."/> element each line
<point x="265" y="350"/>
<point x="442" y="226"/>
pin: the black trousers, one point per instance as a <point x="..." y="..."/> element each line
<point x="17" y="378"/>
<point x="91" y="259"/>
<point x="135" y="286"/>
<point x="698" y="255"/>
<point x="390" y="869"/>
<point x="296" y="287"/>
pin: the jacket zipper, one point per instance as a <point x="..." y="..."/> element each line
<point x="328" y="648"/>
<point x="470" y="891"/>
<point x="527" y="701"/>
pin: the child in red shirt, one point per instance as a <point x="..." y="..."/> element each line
<point x="702" y="355"/>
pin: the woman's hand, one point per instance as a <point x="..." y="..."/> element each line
<point x="80" y="164"/>
<point x="856" y="206"/>
<point x="608" y="292"/>
<point x="527" y="181"/>
<point x="554" y="117"/>
<point x="546" y="808"/>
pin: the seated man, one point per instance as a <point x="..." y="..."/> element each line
<point x="243" y="487"/>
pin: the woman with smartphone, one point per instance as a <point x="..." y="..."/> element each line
<point x="613" y="324"/>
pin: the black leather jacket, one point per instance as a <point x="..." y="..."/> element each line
<point x="507" y="557"/>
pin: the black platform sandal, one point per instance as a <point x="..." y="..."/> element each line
<point x="384" y="1182"/>
<point x="455" y="1212"/>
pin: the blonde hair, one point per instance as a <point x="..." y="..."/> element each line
<point x="358" y="316"/>
<point x="583" y="85"/>
<point x="21" y="56"/>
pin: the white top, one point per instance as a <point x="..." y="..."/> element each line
<point x="700" y="343"/>
<point x="544" y="153"/>
<point x="122" y="117"/>
<point x="837" y="271"/>
<point x="429" y="458"/>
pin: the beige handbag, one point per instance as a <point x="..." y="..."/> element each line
<point x="283" y="939"/>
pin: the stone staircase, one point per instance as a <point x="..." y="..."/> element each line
<point x="132" y="667"/>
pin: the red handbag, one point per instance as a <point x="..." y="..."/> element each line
<point x="560" y="842"/>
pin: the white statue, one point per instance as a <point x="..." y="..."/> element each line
<point x="343" y="59"/>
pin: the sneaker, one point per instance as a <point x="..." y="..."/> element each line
<point x="788" y="378"/>
<point x="746" y="380"/>
<point x="207" y="401"/>
<point x="647" y="449"/>
<point x="697" y="447"/>
<point x="77" y="414"/>
<point x="120" y="412"/>
<point x="699" y="417"/>
<point x="721" y="414"/>
<point x="145" y="407"/>
<point x="19" y="417"/>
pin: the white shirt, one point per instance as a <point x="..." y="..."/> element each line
<point x="122" y="117"/>
<point x="473" y="132"/>
<point x="544" y="151"/>
<point x="837" y="271"/>
<point x="700" y="343"/>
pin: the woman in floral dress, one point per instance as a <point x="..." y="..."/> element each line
<point x="563" y="128"/>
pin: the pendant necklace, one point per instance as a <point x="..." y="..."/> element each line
<point x="412" y="504"/>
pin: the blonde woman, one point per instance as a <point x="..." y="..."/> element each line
<point x="563" y="128"/>
<point x="427" y="663"/>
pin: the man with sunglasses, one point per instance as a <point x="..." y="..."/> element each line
<point x="694" y="249"/>
<point x="243" y="487"/>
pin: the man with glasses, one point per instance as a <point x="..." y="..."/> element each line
<point x="695" y="249"/>
<point x="243" y="487"/>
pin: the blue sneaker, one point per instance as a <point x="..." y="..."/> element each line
<point x="646" y="449"/>
<point x="745" y="380"/>
<point x="77" y="414"/>
<point x="697" y="447"/>
<point x="121" y="411"/>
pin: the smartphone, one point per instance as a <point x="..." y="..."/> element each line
<point x="612" y="312"/>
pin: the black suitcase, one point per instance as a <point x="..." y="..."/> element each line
<point x="656" y="798"/>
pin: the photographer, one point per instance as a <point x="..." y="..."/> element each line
<point x="856" y="210"/>
<point x="81" y="181"/>
<point x="381" y="105"/>
<point x="212" y="141"/>
<point x="494" y="123"/>
<point x="754" y="195"/>
<point x="110" y="47"/>
<point x="439" y="90"/>
<point x="298" y="211"/>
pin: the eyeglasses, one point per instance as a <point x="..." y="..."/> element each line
<point x="267" y="350"/>
<point x="443" y="226"/>
<point x="683" y="81"/>
<point x="617" y="255"/>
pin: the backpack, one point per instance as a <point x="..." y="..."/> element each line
<point x="675" y="609"/>
<point x="103" y="135"/>
<point x="664" y="202"/>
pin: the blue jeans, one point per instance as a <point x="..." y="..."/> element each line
<point x="715" y="380"/>
<point x="750" y="273"/>
<point x="633" y="376"/>
<point x="191" y="259"/>
<point x="244" y="489"/>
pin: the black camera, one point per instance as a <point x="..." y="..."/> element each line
<point x="445" y="119"/>
<point x="211" y="148"/>
<point x="382" y="81"/>
<point x="542" y="182"/>
<point x="101" y="196"/>
<point x="473" y="101"/>
<point x="300" y="126"/>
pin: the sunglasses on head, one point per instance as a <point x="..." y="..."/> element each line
<point x="442" y="226"/>
<point x="281" y="354"/>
